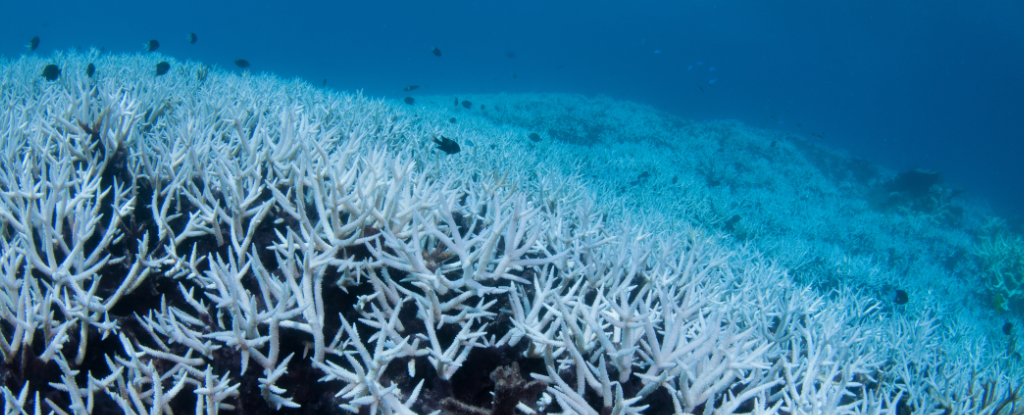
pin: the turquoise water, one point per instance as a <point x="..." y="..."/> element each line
<point x="903" y="85"/>
<point x="819" y="277"/>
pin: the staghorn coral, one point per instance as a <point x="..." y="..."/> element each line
<point x="1000" y="255"/>
<point x="205" y="242"/>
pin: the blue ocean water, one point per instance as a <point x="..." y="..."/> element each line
<point x="904" y="84"/>
<point x="717" y="122"/>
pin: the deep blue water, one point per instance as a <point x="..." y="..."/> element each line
<point x="933" y="85"/>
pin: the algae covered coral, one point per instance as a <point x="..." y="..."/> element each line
<point x="1000" y="254"/>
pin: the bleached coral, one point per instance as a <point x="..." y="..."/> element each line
<point x="209" y="242"/>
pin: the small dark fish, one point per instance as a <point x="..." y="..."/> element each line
<point x="192" y="38"/>
<point x="452" y="120"/>
<point x="774" y="143"/>
<point x="162" y="68"/>
<point x="151" y="45"/>
<point x="33" y="43"/>
<point x="51" y="72"/>
<point x="902" y="297"/>
<point x="436" y="52"/>
<point x="514" y="75"/>
<point x="456" y="101"/>
<point x="470" y="143"/>
<point x="242" y="63"/>
<point x="410" y="87"/>
<point x="325" y="82"/>
<point x="1008" y="328"/>
<point x="409" y="100"/>
<point x="466" y="104"/>
<point x="483" y="107"/>
<point x="729" y="224"/>
<point x="535" y="137"/>
<point x="447" y="145"/>
<point x="510" y="54"/>
<point x="90" y="69"/>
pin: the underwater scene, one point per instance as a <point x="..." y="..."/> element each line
<point x="476" y="208"/>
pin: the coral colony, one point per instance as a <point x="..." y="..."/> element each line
<point x="208" y="242"/>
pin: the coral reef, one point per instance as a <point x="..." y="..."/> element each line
<point x="205" y="242"/>
<point x="1000" y="255"/>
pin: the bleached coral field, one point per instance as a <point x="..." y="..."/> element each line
<point x="210" y="242"/>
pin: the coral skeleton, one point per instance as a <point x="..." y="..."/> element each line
<point x="210" y="242"/>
